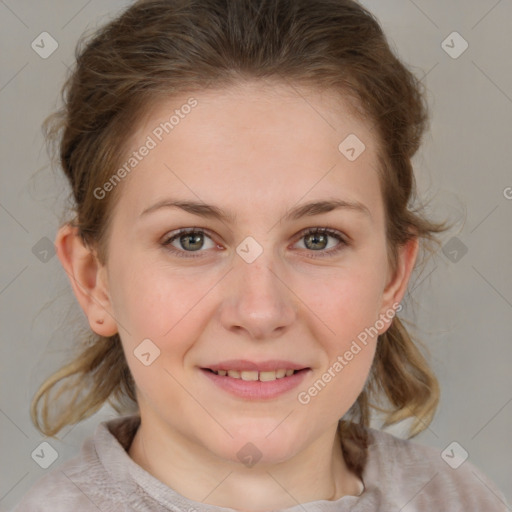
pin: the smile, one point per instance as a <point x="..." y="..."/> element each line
<point x="253" y="384"/>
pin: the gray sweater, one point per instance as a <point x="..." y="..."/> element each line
<point x="399" y="475"/>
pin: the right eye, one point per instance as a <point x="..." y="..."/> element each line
<point x="187" y="240"/>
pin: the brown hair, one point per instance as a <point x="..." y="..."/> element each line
<point x="160" y="48"/>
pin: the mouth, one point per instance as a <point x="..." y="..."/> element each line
<point x="255" y="381"/>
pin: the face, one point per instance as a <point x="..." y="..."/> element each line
<point x="269" y="285"/>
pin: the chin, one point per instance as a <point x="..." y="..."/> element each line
<point x="259" y="442"/>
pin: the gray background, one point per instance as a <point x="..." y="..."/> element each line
<point x="461" y="302"/>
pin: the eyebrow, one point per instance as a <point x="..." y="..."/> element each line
<point x="303" y="210"/>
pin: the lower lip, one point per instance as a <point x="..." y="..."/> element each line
<point x="255" y="389"/>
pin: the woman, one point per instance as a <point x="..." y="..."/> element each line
<point x="241" y="245"/>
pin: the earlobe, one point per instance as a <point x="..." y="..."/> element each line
<point x="87" y="277"/>
<point x="397" y="285"/>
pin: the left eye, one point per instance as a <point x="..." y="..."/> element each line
<point x="193" y="240"/>
<point x="319" y="237"/>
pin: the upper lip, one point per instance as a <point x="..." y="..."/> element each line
<point x="262" y="366"/>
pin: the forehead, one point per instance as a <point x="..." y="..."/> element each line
<point x="249" y="142"/>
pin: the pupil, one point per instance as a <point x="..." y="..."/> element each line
<point x="196" y="237"/>
<point x="318" y="238"/>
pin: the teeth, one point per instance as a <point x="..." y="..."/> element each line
<point x="253" y="375"/>
<point x="266" y="376"/>
<point x="249" y="375"/>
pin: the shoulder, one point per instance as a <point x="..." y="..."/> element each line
<point x="419" y="477"/>
<point x="59" y="490"/>
<point x="84" y="482"/>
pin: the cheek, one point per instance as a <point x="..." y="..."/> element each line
<point x="347" y="303"/>
<point x="346" y="300"/>
<point x="168" y="307"/>
<point x="150" y="301"/>
<point x="348" y="308"/>
<point x="163" y="306"/>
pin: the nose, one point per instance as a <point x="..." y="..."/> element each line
<point x="259" y="301"/>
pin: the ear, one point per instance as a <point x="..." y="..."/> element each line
<point x="88" y="279"/>
<point x="397" y="282"/>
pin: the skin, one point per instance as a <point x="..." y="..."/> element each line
<point x="256" y="151"/>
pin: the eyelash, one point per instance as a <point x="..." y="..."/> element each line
<point x="309" y="231"/>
